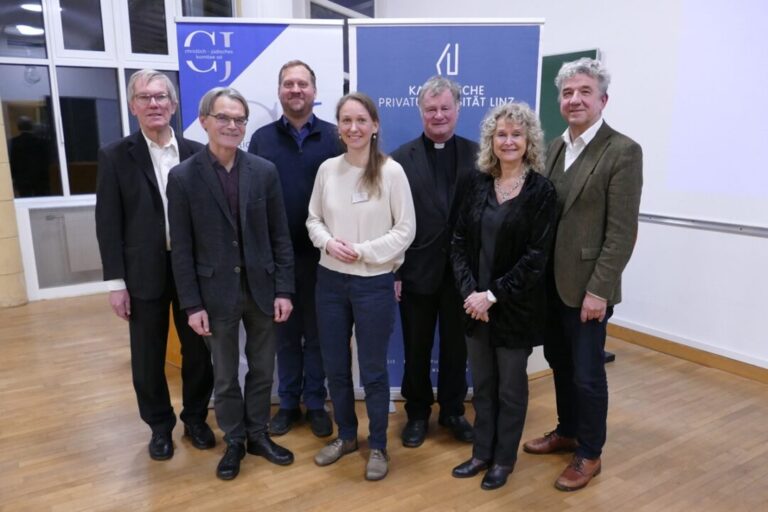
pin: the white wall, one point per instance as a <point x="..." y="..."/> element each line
<point x="703" y="289"/>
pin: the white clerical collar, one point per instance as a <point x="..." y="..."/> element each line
<point x="439" y="145"/>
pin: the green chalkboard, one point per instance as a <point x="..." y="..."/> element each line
<point x="549" y="111"/>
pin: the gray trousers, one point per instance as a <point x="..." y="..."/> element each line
<point x="242" y="417"/>
<point x="500" y="398"/>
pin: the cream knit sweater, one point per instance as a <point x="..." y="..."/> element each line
<point x="380" y="227"/>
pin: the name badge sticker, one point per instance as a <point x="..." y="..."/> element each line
<point x="359" y="197"/>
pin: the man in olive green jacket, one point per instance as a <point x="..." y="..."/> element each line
<point x="597" y="173"/>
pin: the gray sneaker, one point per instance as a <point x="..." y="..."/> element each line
<point x="335" y="450"/>
<point x="378" y="465"/>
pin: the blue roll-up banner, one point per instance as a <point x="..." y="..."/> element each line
<point x="495" y="61"/>
<point x="248" y="56"/>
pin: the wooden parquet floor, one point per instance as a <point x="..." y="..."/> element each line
<point x="681" y="437"/>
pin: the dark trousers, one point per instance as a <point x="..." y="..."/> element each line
<point x="238" y="416"/>
<point x="419" y="314"/>
<point x="576" y="353"/>
<point x="369" y="304"/>
<point x="299" y="363"/>
<point x="148" y="327"/>
<point x="500" y="398"/>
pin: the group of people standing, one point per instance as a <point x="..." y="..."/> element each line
<point x="315" y="232"/>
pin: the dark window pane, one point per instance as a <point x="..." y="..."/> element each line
<point x="26" y="100"/>
<point x="364" y="7"/>
<point x="212" y="8"/>
<point x="323" y="13"/>
<point x="21" y="29"/>
<point x="148" y="31"/>
<point x="81" y="24"/>
<point x="90" y="117"/>
<point x="175" y="119"/>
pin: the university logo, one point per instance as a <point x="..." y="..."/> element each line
<point x="451" y="68"/>
<point x="214" y="57"/>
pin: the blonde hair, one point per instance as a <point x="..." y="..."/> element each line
<point x="519" y="113"/>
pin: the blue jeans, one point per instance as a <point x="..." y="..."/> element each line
<point x="576" y="353"/>
<point x="299" y="363"/>
<point x="369" y="304"/>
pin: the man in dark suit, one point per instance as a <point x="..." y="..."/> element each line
<point x="134" y="244"/>
<point x="598" y="175"/>
<point x="233" y="262"/>
<point x="297" y="144"/>
<point x="439" y="165"/>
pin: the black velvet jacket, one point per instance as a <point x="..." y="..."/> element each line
<point x="519" y="262"/>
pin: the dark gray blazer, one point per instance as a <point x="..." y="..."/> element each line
<point x="427" y="257"/>
<point x="598" y="224"/>
<point x="130" y="219"/>
<point x="206" y="254"/>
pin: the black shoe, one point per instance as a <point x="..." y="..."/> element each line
<point x="414" y="433"/>
<point x="460" y="427"/>
<point x="496" y="477"/>
<point x="229" y="465"/>
<point x="264" y="446"/>
<point x="161" y="446"/>
<point x="283" y="420"/>
<point x="201" y="435"/>
<point x="469" y="468"/>
<point x="319" y="422"/>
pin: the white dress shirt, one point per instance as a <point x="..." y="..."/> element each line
<point x="574" y="148"/>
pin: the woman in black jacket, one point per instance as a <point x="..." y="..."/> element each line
<point x="499" y="254"/>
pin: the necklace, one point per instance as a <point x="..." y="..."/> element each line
<point x="505" y="193"/>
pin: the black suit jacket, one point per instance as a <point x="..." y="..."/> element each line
<point x="206" y="254"/>
<point x="427" y="257"/>
<point x="130" y="221"/>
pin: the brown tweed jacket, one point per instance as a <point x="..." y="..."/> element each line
<point x="598" y="225"/>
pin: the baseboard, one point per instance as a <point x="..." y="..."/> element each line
<point x="692" y="354"/>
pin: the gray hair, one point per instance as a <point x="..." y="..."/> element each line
<point x="207" y="101"/>
<point x="521" y="114"/>
<point x="436" y="85"/>
<point x="585" y="66"/>
<point x="147" y="75"/>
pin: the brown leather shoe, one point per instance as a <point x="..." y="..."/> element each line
<point x="578" y="473"/>
<point x="551" y="442"/>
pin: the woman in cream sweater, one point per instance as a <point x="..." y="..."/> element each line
<point x="361" y="217"/>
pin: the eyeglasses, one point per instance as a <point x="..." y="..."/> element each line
<point x="146" y="99"/>
<point x="224" y="120"/>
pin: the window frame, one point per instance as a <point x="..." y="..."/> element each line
<point x="117" y="56"/>
<point x="57" y="48"/>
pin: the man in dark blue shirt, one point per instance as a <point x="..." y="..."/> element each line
<point x="297" y="144"/>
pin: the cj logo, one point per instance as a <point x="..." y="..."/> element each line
<point x="451" y="68"/>
<point x="226" y="39"/>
